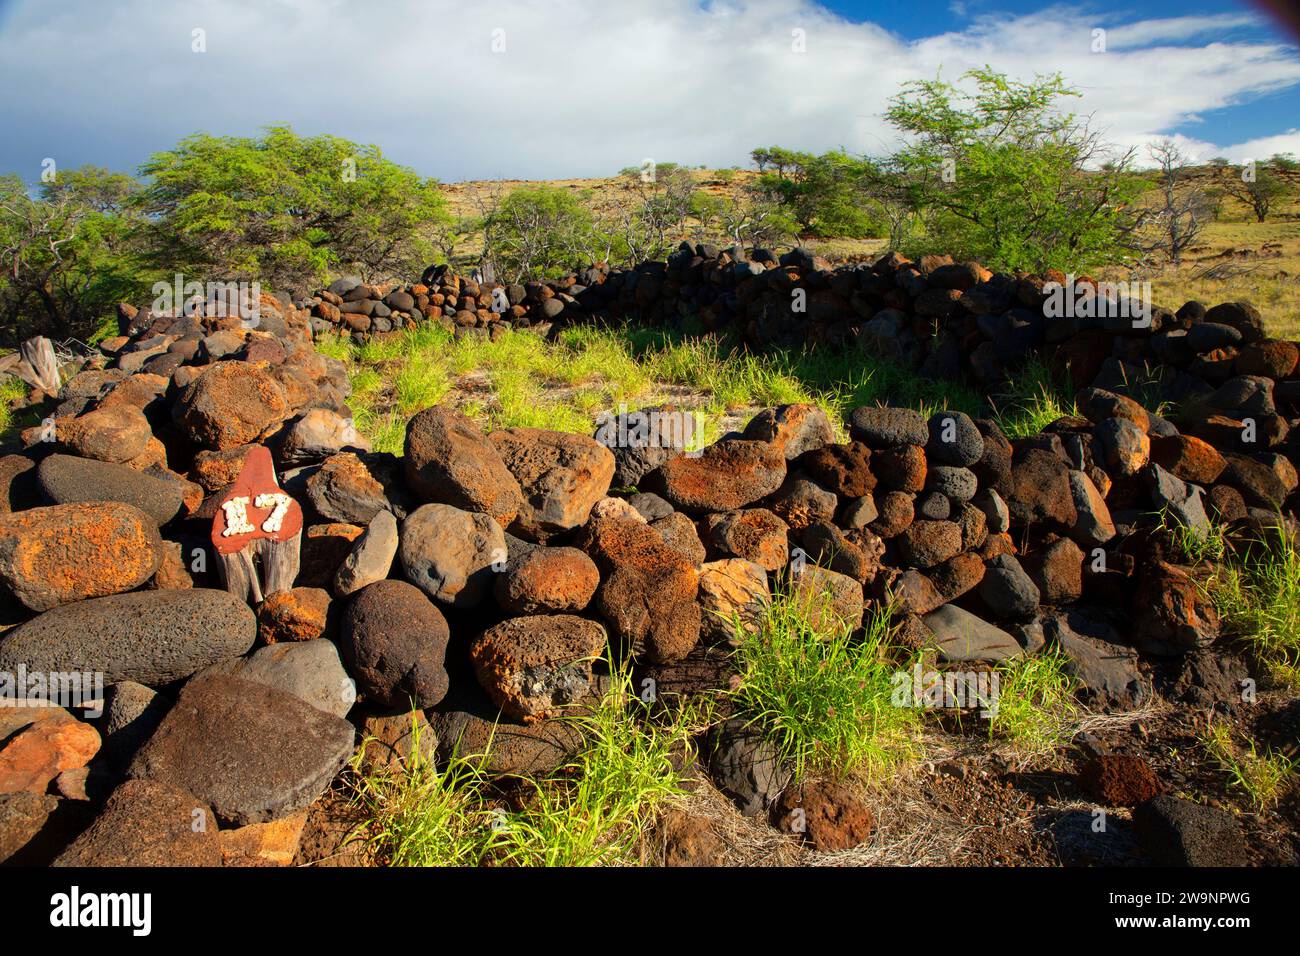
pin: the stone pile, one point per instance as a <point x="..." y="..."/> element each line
<point x="481" y="578"/>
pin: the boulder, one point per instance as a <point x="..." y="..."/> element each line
<point x="395" y="643"/>
<point x="147" y="823"/>
<point x="745" y="767"/>
<point x="299" y="614"/>
<point x="1092" y="525"/>
<point x="118" y="433"/>
<point x="534" y="667"/>
<point x="880" y="428"/>
<point x="40" y="751"/>
<point x="1171" y="614"/>
<point x="371" y="557"/>
<point x="830" y="816"/>
<point x="1106" y="669"/>
<point x="644" y="440"/>
<point x="450" y="554"/>
<point x="251" y="752"/>
<point x="733" y="593"/>
<point x="831" y="603"/>
<point x="1178" y="832"/>
<point x="67" y="479"/>
<point x="150" y="637"/>
<point x="319" y="434"/>
<point x="961" y="636"/>
<point x="954" y="439"/>
<point x="71" y="552"/>
<point x="448" y="460"/>
<point x="927" y="543"/>
<point x="754" y="534"/>
<point x="726" y="476"/>
<point x="648" y="590"/>
<point x="1041" y="491"/>
<point x="547" y="581"/>
<point x="229" y="404"/>
<point x="900" y="469"/>
<point x="1119" y="780"/>
<point x="561" y="475"/>
<point x="309" y="670"/>
<point x="842" y="469"/>
<point x="794" y="429"/>
<point x="347" y="489"/>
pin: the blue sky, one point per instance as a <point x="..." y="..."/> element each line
<point x="525" y="89"/>
<point x="1254" y="117"/>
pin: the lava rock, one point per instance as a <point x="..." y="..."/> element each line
<point x="880" y="428"/>
<point x="450" y="554"/>
<point x="1177" y="832"/>
<point x="395" y="642"/>
<point x="726" y="476"/>
<point x="561" y="476"/>
<point x="67" y="479"/>
<point x="147" y="823"/>
<point x="251" y="752"/>
<point x="794" y="429"/>
<point x="546" y="581"/>
<point x="151" y="637"/>
<point x="449" y="461"/>
<point x="534" y="667"/>
<point x="63" y="553"/>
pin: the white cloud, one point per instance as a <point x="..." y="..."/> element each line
<point x="584" y="87"/>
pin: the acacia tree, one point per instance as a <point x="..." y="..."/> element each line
<point x="825" y="195"/>
<point x="69" y="253"/>
<point x="537" y="231"/>
<point x="1258" y="187"/>
<point x="287" y="209"/>
<point x="1002" y="174"/>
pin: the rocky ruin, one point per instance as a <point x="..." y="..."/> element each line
<point x="477" y="576"/>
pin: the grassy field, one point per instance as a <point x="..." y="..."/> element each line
<point x="563" y="384"/>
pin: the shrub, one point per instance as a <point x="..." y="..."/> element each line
<point x="287" y="209"/>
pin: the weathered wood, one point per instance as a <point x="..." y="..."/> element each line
<point x="262" y="568"/>
<point x="257" y="532"/>
<point x="38" y="352"/>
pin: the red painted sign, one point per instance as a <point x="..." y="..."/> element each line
<point x="255" y="507"/>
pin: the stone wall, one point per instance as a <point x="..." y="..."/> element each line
<point x="477" y="575"/>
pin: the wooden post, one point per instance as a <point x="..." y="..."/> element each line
<point x="257" y="532"/>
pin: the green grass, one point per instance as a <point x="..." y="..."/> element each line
<point x="565" y="383"/>
<point x="1263" y="776"/>
<point x="12" y="390"/>
<point x="825" y="699"/>
<point x="1035" y="703"/>
<point x="594" y="810"/>
<point x="1034" y="398"/>
<point x="590" y="812"/>
<point x="1256" y="590"/>
<point x="418" y="815"/>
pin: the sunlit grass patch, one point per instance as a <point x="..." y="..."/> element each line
<point x="1033" y="399"/>
<point x="1035" y="707"/>
<point x="590" y="812"/>
<point x="824" y="696"/>
<point x="1256" y="590"/>
<point x="419" y="815"/>
<point x="1264" y="776"/>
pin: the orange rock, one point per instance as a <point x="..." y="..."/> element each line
<point x="36" y="755"/>
<point x="63" y="553"/>
<point x="263" y="844"/>
<point x="297" y="615"/>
